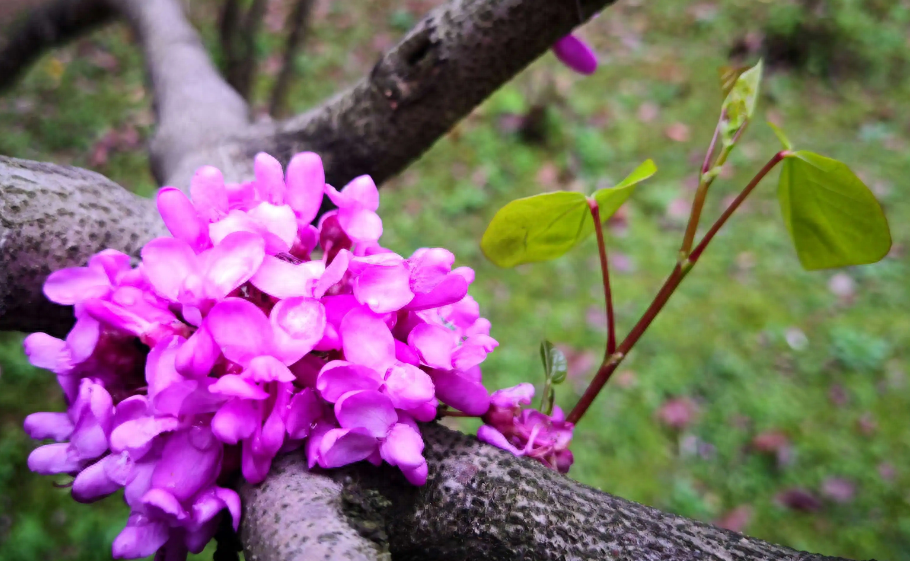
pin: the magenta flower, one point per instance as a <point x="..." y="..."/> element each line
<point x="527" y="432"/>
<point x="248" y="333"/>
<point x="576" y="54"/>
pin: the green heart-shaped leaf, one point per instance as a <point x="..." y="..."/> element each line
<point x="537" y="228"/>
<point x="833" y="218"/>
<point x="546" y="226"/>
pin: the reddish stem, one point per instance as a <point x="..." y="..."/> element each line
<point x="679" y="273"/>
<point x="605" y="274"/>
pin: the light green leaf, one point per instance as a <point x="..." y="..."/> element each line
<point x="781" y="136"/>
<point x="554" y="361"/>
<point x="546" y="226"/>
<point x="610" y="199"/>
<point x="833" y="218"/>
<point x="739" y="105"/>
<point x="537" y="228"/>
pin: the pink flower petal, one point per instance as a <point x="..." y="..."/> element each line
<point x="384" y="289"/>
<point x="163" y="504"/>
<point x="268" y="369"/>
<point x="53" y="459"/>
<point x="452" y="289"/>
<point x="278" y="220"/>
<point x="232" y="385"/>
<point x="403" y="447"/>
<point x="57" y="426"/>
<point x="314" y="442"/>
<point x="209" y="194"/>
<point x="307" y="239"/>
<point x="190" y="461"/>
<point x="434" y="345"/>
<point x="333" y="273"/>
<point x="367" y="340"/>
<point x="232" y="262"/>
<point x="522" y="394"/>
<point x="306" y="183"/>
<point x="198" y="355"/>
<point x="234" y="221"/>
<point x="339" y="377"/>
<point x="473" y="351"/>
<point x="466" y="273"/>
<point x="461" y="393"/>
<point x="360" y="224"/>
<point x="403" y="353"/>
<point x="44" y="351"/>
<point x="368" y="410"/>
<point x="574" y="53"/>
<point x="269" y="178"/>
<point x="305" y="409"/>
<point x="298" y="324"/>
<point x="75" y="284"/>
<point x="331" y="236"/>
<point x="83" y="338"/>
<point x="336" y="308"/>
<point x="340" y="447"/>
<point x="236" y="420"/>
<point x="240" y="329"/>
<point x="491" y="436"/>
<point x="182" y="219"/>
<point x="93" y="482"/>
<point x="282" y="279"/>
<point x="360" y="192"/>
<point x="137" y="433"/>
<point x="416" y="476"/>
<point x="408" y="386"/>
<point x="141" y="537"/>
<point x="429" y="267"/>
<point x="167" y="262"/>
<point x="425" y="413"/>
<point x="114" y="263"/>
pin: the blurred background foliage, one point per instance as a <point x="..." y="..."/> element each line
<point x="764" y="399"/>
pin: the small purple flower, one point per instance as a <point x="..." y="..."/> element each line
<point x="576" y="54"/>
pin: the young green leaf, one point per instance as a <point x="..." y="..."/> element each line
<point x="554" y="361"/>
<point x="546" y="226"/>
<point x="610" y="199"/>
<point x="739" y="104"/>
<point x="833" y="218"/>
<point x="537" y="228"/>
<point x="781" y="136"/>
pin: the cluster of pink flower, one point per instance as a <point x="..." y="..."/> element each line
<point x="527" y="432"/>
<point x="250" y="332"/>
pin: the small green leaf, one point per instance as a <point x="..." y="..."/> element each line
<point x="781" y="136"/>
<point x="537" y="228"/>
<point x="610" y="199"/>
<point x="554" y="361"/>
<point x="833" y="218"/>
<point x="739" y="105"/>
<point x="546" y="226"/>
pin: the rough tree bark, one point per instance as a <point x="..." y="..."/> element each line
<point x="480" y="503"/>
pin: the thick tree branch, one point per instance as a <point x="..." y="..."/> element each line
<point x="479" y="503"/>
<point x="196" y="108"/>
<point x="58" y="216"/>
<point x="51" y="24"/>
<point x="448" y="64"/>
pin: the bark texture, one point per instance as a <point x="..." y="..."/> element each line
<point x="480" y="503"/>
<point x="48" y="25"/>
<point x="53" y="217"/>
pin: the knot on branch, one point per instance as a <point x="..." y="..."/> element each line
<point x="405" y="74"/>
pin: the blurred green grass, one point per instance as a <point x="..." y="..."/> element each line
<point x="756" y="344"/>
